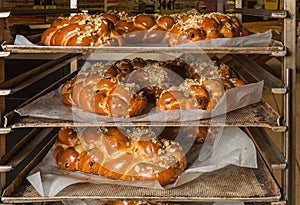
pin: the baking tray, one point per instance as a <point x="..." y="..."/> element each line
<point x="231" y="183"/>
<point x="276" y="50"/>
<point x="256" y="115"/>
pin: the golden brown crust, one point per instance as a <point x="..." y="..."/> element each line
<point x="76" y="18"/>
<point x="174" y="100"/>
<point x="81" y="41"/>
<point x="60" y="22"/>
<point x="165" y="22"/>
<point x="111" y="154"/>
<point x="189" y="95"/>
<point x="111" y="17"/>
<point x="208" y="23"/>
<point x="235" y="20"/>
<point x="126" y="87"/>
<point x="211" y="34"/>
<point x="216" y="90"/>
<point x="135" y="35"/>
<point x="63" y="35"/>
<point x="192" y="34"/>
<point x="67" y="158"/>
<point x="116" y="39"/>
<point x="144" y="21"/>
<point x="245" y="31"/>
<point x="200" y="133"/>
<point x="124" y="26"/>
<point x="105" y="28"/>
<point x="104" y="96"/>
<point x="227" y="84"/>
<point x="47" y="35"/>
<point x="237" y="82"/>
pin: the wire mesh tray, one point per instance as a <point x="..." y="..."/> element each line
<point x="227" y="184"/>
<point x="256" y="115"/>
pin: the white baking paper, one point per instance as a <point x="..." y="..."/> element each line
<point x="254" y="40"/>
<point x="51" y="106"/>
<point x="231" y="146"/>
<point x="22" y="40"/>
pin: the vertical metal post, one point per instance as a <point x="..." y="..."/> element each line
<point x="73" y="4"/>
<point x="73" y="65"/>
<point x="211" y="6"/>
<point x="105" y="5"/>
<point x="238" y="4"/>
<point x="2" y="100"/>
<point x="289" y="64"/>
<point x="221" y="6"/>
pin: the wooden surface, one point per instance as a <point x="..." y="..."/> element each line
<point x="262" y="26"/>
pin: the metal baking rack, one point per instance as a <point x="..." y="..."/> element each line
<point x="228" y="184"/>
<point x="256" y="115"/>
<point x="241" y="184"/>
<point x="260" y="114"/>
<point x="275" y="50"/>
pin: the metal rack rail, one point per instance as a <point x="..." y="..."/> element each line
<point x="256" y="115"/>
<point x="276" y="50"/>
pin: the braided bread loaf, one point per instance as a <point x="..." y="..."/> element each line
<point x="191" y="94"/>
<point x="126" y="87"/>
<point x="202" y="88"/>
<point x="81" y="30"/>
<point x="132" y="155"/>
<point x="119" y="28"/>
<point x="104" y="96"/>
<point x="110" y="90"/>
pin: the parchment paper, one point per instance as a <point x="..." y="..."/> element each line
<point x="51" y="106"/>
<point x="231" y="146"/>
<point x="254" y="40"/>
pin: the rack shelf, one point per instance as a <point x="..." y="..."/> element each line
<point x="241" y="184"/>
<point x="261" y="12"/>
<point x="260" y="114"/>
<point x="276" y="50"/>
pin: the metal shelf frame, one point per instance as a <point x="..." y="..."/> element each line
<point x="289" y="105"/>
<point x="284" y="160"/>
<point x="276" y="50"/>
<point x="256" y="115"/>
